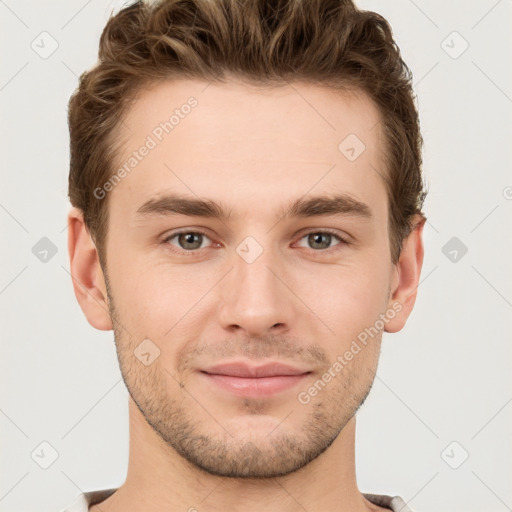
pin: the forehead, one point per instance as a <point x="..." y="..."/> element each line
<point x="231" y="140"/>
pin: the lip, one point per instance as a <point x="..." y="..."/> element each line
<point x="242" y="379"/>
<point x="241" y="369"/>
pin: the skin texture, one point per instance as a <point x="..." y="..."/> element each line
<point x="254" y="151"/>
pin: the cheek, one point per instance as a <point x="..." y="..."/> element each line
<point x="152" y="300"/>
<point x="156" y="299"/>
<point x="348" y="296"/>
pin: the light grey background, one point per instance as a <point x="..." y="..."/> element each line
<point x="445" y="378"/>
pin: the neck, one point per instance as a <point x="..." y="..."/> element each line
<point x="159" y="479"/>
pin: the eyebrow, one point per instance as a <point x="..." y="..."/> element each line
<point x="325" y="205"/>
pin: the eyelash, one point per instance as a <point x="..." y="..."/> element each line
<point x="193" y="252"/>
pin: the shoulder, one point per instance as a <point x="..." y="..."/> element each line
<point x="393" y="503"/>
<point x="85" y="500"/>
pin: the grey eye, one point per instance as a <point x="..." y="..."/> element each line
<point x="188" y="240"/>
<point x="320" y="240"/>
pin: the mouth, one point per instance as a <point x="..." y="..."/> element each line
<point x="242" y="379"/>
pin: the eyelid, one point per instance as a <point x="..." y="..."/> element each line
<point x="168" y="236"/>
<point x="182" y="231"/>
<point x="342" y="239"/>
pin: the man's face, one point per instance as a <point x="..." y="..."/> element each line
<point x="262" y="285"/>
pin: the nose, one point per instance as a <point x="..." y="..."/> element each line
<point x="255" y="298"/>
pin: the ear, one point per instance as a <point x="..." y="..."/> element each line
<point x="406" y="275"/>
<point x="86" y="272"/>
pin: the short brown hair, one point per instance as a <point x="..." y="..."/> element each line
<point x="329" y="43"/>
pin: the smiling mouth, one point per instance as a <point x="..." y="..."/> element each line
<point x="242" y="379"/>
